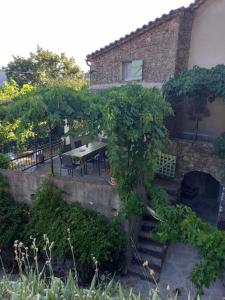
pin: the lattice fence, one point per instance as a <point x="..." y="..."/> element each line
<point x="166" y="165"/>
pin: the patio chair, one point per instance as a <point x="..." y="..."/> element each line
<point x="97" y="160"/>
<point x="67" y="163"/>
<point x="67" y="148"/>
<point x="77" y="144"/>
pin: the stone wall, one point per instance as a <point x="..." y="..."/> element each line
<point x="196" y="156"/>
<point x="184" y="41"/>
<point x="157" y="47"/>
<point x="199" y="156"/>
<point x="95" y="194"/>
<point x="164" y="49"/>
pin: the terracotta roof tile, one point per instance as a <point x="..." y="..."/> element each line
<point x="144" y="28"/>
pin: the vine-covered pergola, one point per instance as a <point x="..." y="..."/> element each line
<point x="131" y="116"/>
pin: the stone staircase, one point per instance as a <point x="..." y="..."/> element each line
<point x="147" y="250"/>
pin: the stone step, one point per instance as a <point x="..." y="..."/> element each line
<point x="146" y="237"/>
<point x="154" y="263"/>
<point x="148" y="226"/>
<point x="150" y="218"/>
<point x="152" y="249"/>
<point x="143" y="273"/>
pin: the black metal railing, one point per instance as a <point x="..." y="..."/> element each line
<point x="34" y="157"/>
<point x="192" y="136"/>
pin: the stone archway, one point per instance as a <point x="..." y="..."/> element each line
<point x="201" y="191"/>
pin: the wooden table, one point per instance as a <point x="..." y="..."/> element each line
<point x="84" y="153"/>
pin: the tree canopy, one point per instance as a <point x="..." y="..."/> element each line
<point x="42" y="67"/>
<point x="42" y="110"/>
<point x="132" y="118"/>
<point x="195" y="88"/>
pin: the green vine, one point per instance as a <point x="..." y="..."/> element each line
<point x="132" y="117"/>
<point x="195" y="88"/>
<point x="180" y="224"/>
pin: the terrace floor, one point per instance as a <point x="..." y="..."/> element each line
<point x="92" y="171"/>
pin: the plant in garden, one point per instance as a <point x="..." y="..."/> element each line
<point x="39" y="282"/>
<point x="195" y="88"/>
<point x="180" y="224"/>
<point x="45" y="109"/>
<point x="4" y="161"/>
<point x="8" y="134"/>
<point x="12" y="215"/>
<point x="91" y="234"/>
<point x="132" y="118"/>
<point x="11" y="89"/>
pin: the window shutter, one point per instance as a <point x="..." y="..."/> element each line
<point x="136" y="70"/>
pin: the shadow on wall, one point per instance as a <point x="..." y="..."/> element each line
<point x="200" y="191"/>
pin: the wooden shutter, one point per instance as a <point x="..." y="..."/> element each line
<point x="136" y="69"/>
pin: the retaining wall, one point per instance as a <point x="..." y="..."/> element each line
<point x="95" y="194"/>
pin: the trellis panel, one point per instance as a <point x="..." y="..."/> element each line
<point x="166" y="165"/>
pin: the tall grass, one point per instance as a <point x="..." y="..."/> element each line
<point x="36" y="280"/>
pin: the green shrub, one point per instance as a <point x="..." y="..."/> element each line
<point x="12" y="216"/>
<point x="180" y="224"/>
<point x="219" y="146"/>
<point x="91" y="234"/>
<point x="4" y="161"/>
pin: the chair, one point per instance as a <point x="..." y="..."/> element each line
<point x="97" y="160"/>
<point x="66" y="163"/>
<point x="77" y="144"/>
<point x="67" y="148"/>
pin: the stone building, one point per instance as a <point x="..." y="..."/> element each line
<point x="153" y="53"/>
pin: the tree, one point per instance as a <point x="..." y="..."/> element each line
<point x="195" y="88"/>
<point x="42" y="67"/>
<point x="46" y="108"/>
<point x="8" y="92"/>
<point x="132" y="117"/>
<point x="11" y="89"/>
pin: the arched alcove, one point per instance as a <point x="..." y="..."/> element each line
<point x="200" y="191"/>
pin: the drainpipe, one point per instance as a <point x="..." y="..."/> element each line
<point x="88" y="63"/>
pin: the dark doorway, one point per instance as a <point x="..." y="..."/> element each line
<point x="200" y="191"/>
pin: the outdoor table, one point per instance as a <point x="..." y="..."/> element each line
<point x="86" y="152"/>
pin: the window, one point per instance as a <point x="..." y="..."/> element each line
<point x="132" y="70"/>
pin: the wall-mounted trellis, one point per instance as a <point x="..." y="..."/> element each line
<point x="166" y="165"/>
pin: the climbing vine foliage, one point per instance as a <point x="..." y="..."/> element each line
<point x="197" y="85"/>
<point x="132" y="118"/>
<point x="180" y="224"/>
<point x="195" y="88"/>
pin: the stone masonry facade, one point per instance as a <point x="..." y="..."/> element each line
<point x="200" y="156"/>
<point x="163" y="45"/>
<point x="163" y="48"/>
<point x="196" y="156"/>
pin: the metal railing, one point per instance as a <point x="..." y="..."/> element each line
<point x="34" y="157"/>
<point x="192" y="136"/>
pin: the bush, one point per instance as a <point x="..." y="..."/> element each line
<point x="12" y="216"/>
<point x="91" y="234"/>
<point x="180" y="224"/>
<point x="4" y="161"/>
<point x="219" y="146"/>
